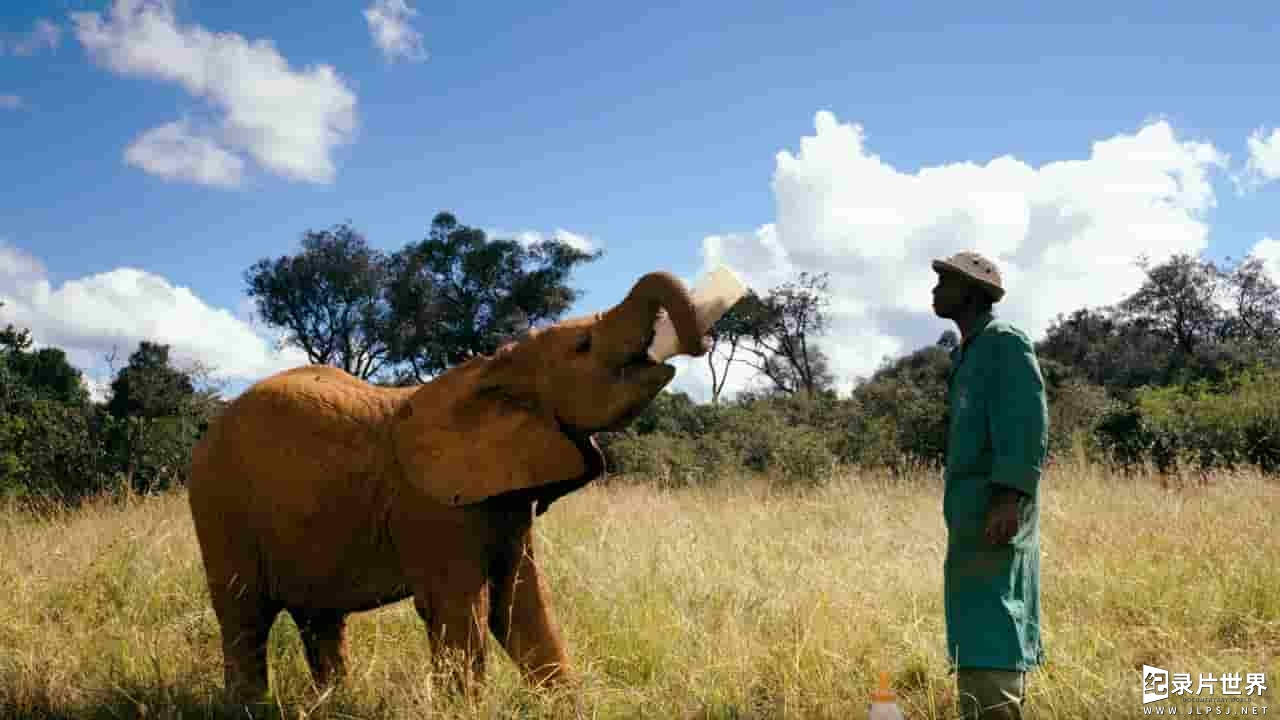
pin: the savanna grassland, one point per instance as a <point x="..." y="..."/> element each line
<point x="728" y="602"/>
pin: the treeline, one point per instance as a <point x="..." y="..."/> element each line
<point x="55" y="442"/>
<point x="1184" y="372"/>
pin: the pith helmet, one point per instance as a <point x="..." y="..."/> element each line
<point x="976" y="268"/>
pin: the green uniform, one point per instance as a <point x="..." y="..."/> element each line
<point x="998" y="436"/>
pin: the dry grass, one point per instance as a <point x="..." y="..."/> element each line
<point x="731" y="602"/>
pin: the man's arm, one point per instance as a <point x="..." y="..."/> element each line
<point x="1018" y="415"/>
<point x="1018" y="423"/>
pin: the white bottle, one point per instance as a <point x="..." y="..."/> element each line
<point x="884" y="701"/>
<point x="716" y="292"/>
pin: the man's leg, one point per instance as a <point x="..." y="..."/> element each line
<point x="991" y="694"/>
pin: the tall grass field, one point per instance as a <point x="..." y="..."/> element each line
<point x="734" y="601"/>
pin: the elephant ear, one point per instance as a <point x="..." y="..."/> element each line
<point x="467" y="436"/>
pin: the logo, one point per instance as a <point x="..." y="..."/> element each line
<point x="1155" y="684"/>
<point x="1227" y="693"/>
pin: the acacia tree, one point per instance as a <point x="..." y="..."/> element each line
<point x="329" y="299"/>
<point x="1179" y="301"/>
<point x="728" y="335"/>
<point x="459" y="293"/>
<point x="780" y="332"/>
<point x="1255" y="300"/>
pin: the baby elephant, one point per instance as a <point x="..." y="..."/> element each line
<point x="319" y="494"/>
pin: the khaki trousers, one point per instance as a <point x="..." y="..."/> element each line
<point x="991" y="694"/>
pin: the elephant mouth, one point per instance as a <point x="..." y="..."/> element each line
<point x="638" y="361"/>
<point x="545" y="495"/>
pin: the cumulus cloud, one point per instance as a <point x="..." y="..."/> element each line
<point x="288" y="121"/>
<point x="389" y="26"/>
<point x="1066" y="234"/>
<point x="173" y="152"/>
<point x="10" y="102"/>
<point x="90" y="316"/>
<point x="1264" y="157"/>
<point x="1268" y="251"/>
<point x="99" y="388"/>
<point x="44" y="35"/>
<point x="572" y="239"/>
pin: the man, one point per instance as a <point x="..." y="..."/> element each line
<point x="996" y="449"/>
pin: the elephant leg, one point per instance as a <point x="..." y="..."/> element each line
<point x="455" y="621"/>
<point x="324" y="635"/>
<point x="521" y="619"/>
<point x="246" y="618"/>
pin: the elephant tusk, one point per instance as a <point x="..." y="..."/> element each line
<point x="716" y="292"/>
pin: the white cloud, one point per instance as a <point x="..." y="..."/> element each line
<point x="289" y="121"/>
<point x="576" y="241"/>
<point x="389" y="26"/>
<point x="99" y="388"/>
<point x="572" y="239"/>
<point x="1268" y="251"/>
<point x="1065" y="234"/>
<point x="1264" y="157"/>
<point x="10" y="102"/>
<point x="45" y="34"/>
<point x="90" y="316"/>
<point x="172" y="152"/>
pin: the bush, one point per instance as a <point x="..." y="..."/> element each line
<point x="784" y="437"/>
<point x="793" y="439"/>
<point x="1122" y="437"/>
<point x="1076" y="407"/>
<point x="675" y="414"/>
<point x="49" y="449"/>
<point x="669" y="460"/>
<point x="803" y="457"/>
<point x="1223" y="425"/>
<point x="903" y="409"/>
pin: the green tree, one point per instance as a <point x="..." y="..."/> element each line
<point x="155" y="415"/>
<point x="149" y="386"/>
<point x="784" y="327"/>
<point x="328" y="298"/>
<point x="1179" y="302"/>
<point x="904" y="405"/>
<point x="1255" y="305"/>
<point x="459" y="293"/>
<point x="47" y="443"/>
<point x="45" y="372"/>
<point x="730" y="334"/>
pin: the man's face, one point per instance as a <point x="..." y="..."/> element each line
<point x="950" y="295"/>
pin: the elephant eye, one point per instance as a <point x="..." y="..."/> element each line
<point x="584" y="343"/>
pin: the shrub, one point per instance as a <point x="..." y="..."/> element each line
<point x="151" y="454"/>
<point x="1223" y="425"/>
<point x="668" y="460"/>
<point x="803" y="457"/>
<point x="49" y="449"/>
<point x="1122" y="437"/>
<point x="1076" y="407"/>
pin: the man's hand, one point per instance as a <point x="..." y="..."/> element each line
<point x="1002" y="516"/>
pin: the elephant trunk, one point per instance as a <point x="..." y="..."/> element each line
<point x="635" y="315"/>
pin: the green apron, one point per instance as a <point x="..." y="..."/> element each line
<point x="998" y="436"/>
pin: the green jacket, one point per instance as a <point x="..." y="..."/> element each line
<point x="998" y="435"/>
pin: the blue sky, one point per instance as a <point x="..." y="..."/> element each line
<point x="154" y="150"/>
